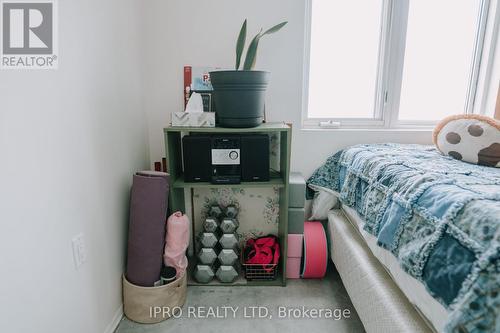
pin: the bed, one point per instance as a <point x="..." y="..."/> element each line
<point x="417" y="240"/>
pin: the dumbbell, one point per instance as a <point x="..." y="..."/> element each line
<point x="208" y="239"/>
<point x="231" y="211"/>
<point x="203" y="273"/>
<point x="229" y="241"/>
<point x="228" y="257"/>
<point x="210" y="224"/>
<point x="207" y="256"/>
<point x="229" y="225"/>
<point x="215" y="212"/>
<point x="226" y="274"/>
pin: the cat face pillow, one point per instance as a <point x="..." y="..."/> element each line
<point x="469" y="138"/>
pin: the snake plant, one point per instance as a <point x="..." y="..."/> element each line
<point x="252" y="47"/>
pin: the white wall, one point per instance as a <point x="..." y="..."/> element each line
<point x="203" y="32"/>
<point x="70" y="140"/>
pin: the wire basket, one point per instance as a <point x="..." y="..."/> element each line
<point x="256" y="272"/>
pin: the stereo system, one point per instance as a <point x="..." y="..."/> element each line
<point x="226" y="159"/>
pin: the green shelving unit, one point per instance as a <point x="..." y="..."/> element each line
<point x="279" y="179"/>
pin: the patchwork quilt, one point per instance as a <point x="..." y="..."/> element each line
<point x="440" y="218"/>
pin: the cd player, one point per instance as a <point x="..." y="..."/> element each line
<point x="226" y="165"/>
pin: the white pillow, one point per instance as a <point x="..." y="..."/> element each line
<point x="470" y="138"/>
<point x="324" y="200"/>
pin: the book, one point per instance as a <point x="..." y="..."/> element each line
<point x="200" y="79"/>
<point x="197" y="79"/>
<point x="187" y="84"/>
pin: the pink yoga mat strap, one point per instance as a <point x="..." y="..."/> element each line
<point x="315" y="251"/>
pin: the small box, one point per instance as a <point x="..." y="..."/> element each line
<point x="294" y="245"/>
<point x="193" y="119"/>
<point x="296" y="218"/>
<point x="293" y="268"/>
<point x="294" y="256"/>
<point x="297" y="190"/>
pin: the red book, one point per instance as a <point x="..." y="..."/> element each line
<point x="187" y="84"/>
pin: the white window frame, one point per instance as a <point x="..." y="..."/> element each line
<point x="390" y="71"/>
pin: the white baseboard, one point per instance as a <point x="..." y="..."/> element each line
<point x="115" y="321"/>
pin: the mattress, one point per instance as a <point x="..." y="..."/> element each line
<point x="414" y="290"/>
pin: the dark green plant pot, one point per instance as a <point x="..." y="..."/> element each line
<point x="239" y="97"/>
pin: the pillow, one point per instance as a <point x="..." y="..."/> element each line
<point x="469" y="138"/>
<point x="324" y="200"/>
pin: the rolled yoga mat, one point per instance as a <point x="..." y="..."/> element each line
<point x="146" y="235"/>
<point x="177" y="241"/>
<point x="315" y="256"/>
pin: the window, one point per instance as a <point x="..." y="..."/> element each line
<point x="343" y="70"/>
<point x="438" y="56"/>
<point x="393" y="63"/>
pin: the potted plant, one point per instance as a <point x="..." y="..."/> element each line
<point x="240" y="94"/>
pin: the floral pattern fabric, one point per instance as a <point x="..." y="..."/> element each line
<point x="258" y="209"/>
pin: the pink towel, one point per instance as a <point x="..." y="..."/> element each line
<point x="176" y="242"/>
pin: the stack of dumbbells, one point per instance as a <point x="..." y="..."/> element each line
<point x="218" y="241"/>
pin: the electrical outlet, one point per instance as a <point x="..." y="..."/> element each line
<point x="79" y="250"/>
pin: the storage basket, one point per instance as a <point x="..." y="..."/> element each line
<point x="141" y="304"/>
<point x="256" y="272"/>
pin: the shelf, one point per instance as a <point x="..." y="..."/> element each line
<point x="265" y="127"/>
<point x="239" y="282"/>
<point x="275" y="181"/>
<point x="179" y="199"/>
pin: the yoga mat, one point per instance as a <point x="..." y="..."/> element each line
<point x="315" y="256"/>
<point x="176" y="242"/>
<point x="146" y="236"/>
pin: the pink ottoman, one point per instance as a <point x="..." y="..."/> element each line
<point x="294" y="256"/>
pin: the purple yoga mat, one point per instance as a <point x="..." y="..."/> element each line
<point x="146" y="234"/>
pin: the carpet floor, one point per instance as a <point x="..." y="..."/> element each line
<point x="235" y="309"/>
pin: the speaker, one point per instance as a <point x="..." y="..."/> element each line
<point x="197" y="158"/>
<point x="255" y="158"/>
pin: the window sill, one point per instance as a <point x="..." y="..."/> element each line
<point x="367" y="129"/>
<point x="364" y="125"/>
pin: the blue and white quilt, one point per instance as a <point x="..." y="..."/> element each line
<point x="439" y="217"/>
